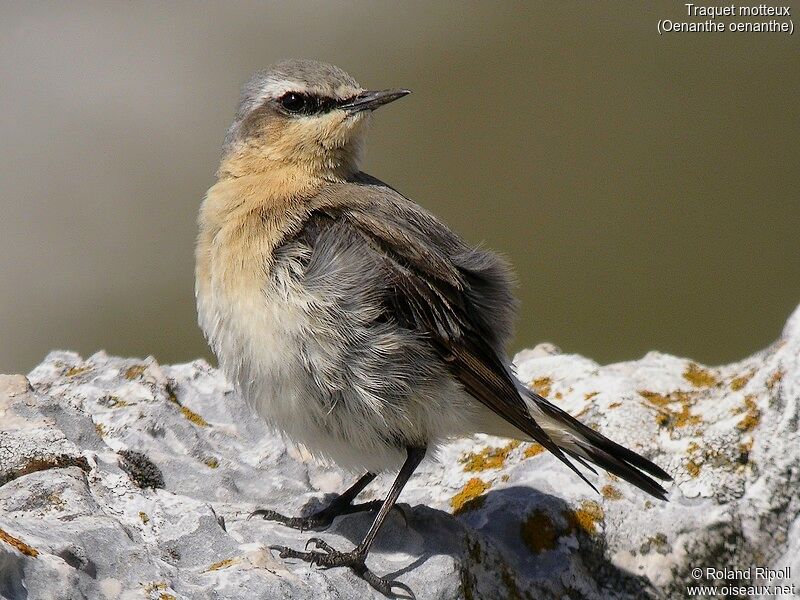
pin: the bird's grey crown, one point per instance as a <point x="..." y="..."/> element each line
<point x="293" y="75"/>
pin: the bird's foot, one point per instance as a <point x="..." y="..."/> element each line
<point x="318" y="520"/>
<point x="327" y="557"/>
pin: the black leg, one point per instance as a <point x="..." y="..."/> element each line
<point x="342" y="505"/>
<point x="325" y="556"/>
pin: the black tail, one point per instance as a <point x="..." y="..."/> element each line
<point x="581" y="442"/>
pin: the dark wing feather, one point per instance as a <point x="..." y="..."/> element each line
<point x="430" y="293"/>
<point x="459" y="298"/>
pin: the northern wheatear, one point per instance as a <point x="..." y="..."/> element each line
<point x="353" y="320"/>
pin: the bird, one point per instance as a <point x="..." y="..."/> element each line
<point x="354" y="321"/>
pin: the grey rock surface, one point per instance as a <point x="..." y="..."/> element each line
<point x="122" y="478"/>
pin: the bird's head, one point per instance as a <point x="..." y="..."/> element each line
<point x="302" y="114"/>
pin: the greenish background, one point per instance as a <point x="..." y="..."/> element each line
<point x="644" y="186"/>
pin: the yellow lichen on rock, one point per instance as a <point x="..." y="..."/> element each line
<point x="135" y="372"/>
<point x="699" y="377"/>
<point x="194" y="417"/>
<point x="774" y="379"/>
<point x="539" y="532"/>
<point x="737" y="383"/>
<point x="752" y="415"/>
<point x="185" y="411"/>
<point x="470" y="497"/>
<point x="542" y="386"/>
<point x="669" y="417"/>
<point x="18" y="544"/>
<point x="75" y="371"/>
<point x="611" y="493"/>
<point x="533" y="449"/>
<point x="488" y="458"/>
<point x="221" y="564"/>
<point x="158" y="587"/>
<point x="585" y="518"/>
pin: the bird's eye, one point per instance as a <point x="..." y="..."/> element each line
<point x="294" y="102"/>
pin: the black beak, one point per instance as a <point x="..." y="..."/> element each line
<point x="372" y="100"/>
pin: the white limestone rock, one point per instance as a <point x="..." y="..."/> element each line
<point x="120" y="478"/>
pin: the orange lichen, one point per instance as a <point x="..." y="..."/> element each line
<point x="539" y="532"/>
<point x="135" y="372"/>
<point x="470" y="497"/>
<point x="739" y="382"/>
<point x="752" y="415"/>
<point x="488" y="458"/>
<point x="669" y="417"/>
<point x="75" y="371"/>
<point x="187" y="412"/>
<point x="222" y="564"/>
<point x="159" y="588"/>
<point x="113" y="402"/>
<point x="18" y="544"/>
<point x="662" y="399"/>
<point x="611" y="493"/>
<point x="532" y="450"/>
<point x="685" y="417"/>
<point x="774" y="379"/>
<point x="699" y="377"/>
<point x="585" y="518"/>
<point x="194" y="417"/>
<point x="542" y="386"/>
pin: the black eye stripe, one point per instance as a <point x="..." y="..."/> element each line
<point x="298" y="103"/>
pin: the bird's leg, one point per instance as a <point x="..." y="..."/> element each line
<point x="325" y="556"/>
<point x="341" y="505"/>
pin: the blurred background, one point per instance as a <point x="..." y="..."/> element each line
<point x="644" y="186"/>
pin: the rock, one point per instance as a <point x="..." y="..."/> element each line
<point x="120" y="478"/>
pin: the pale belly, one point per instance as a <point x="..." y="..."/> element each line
<point x="258" y="340"/>
<point x="262" y="340"/>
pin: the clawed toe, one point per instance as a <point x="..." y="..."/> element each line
<point x="320" y="544"/>
<point x="301" y="523"/>
<point x="283" y="551"/>
<point x="266" y="514"/>
<point x="387" y="586"/>
<point x="326" y="557"/>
